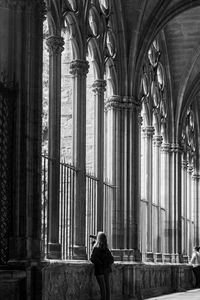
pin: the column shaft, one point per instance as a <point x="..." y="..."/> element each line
<point x="21" y="64"/>
<point x="114" y="158"/>
<point x="134" y="173"/>
<point x="175" y="205"/>
<point x="99" y="88"/>
<point x="148" y="134"/>
<point x="79" y="69"/>
<point x="196" y="211"/>
<point x="55" y="44"/>
<point x="132" y="123"/>
<point x="184" y="206"/>
<point x="164" y="200"/>
<point x="190" y="204"/>
<point x="157" y="140"/>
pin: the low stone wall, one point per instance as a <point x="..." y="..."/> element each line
<point x="12" y="284"/>
<point x="129" y="280"/>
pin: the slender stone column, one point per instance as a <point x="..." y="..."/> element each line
<point x="114" y="156"/>
<point x="196" y="208"/>
<point x="132" y="119"/>
<point x="164" y="200"/>
<point x="55" y="44"/>
<point x="190" y="205"/>
<point x="184" y="206"/>
<point x="99" y="88"/>
<point x="157" y="141"/>
<point x="175" y="205"/>
<point x="79" y="69"/>
<point x="148" y="135"/>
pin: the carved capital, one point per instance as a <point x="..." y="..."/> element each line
<point x="190" y="169"/>
<point x="148" y="131"/>
<point x="131" y="103"/>
<point x="176" y="148"/>
<point x="165" y="147"/>
<point x="184" y="164"/>
<point x="157" y="140"/>
<point x="196" y="176"/>
<point x="55" y="44"/>
<point x="79" y="67"/>
<point x="114" y="102"/>
<point x="99" y="86"/>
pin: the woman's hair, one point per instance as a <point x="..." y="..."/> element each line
<point x="101" y="241"/>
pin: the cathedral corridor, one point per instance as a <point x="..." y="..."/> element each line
<point x="99" y="132"/>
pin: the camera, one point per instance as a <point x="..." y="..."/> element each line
<point x="94" y="238"/>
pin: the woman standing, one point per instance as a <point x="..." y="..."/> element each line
<point x="195" y="261"/>
<point x="102" y="259"/>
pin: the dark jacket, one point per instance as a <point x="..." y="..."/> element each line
<point x="102" y="260"/>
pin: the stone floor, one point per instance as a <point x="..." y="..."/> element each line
<point x="188" y="295"/>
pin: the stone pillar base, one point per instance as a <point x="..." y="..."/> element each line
<point x="137" y="255"/>
<point x="179" y="258"/>
<point x="149" y="257"/>
<point x="21" y="248"/>
<point x="126" y="254"/>
<point x="118" y="254"/>
<point x="79" y="252"/>
<point x="173" y="258"/>
<point x="54" y="251"/>
<point x="167" y="258"/>
<point x="185" y="259"/>
<point x="158" y="257"/>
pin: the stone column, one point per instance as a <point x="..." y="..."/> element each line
<point x="164" y="198"/>
<point x="79" y="69"/>
<point x="175" y="204"/>
<point x="148" y="132"/>
<point x="99" y="88"/>
<point x="157" y="141"/>
<point x="114" y="156"/>
<point x="196" y="208"/>
<point x="55" y="44"/>
<point x="132" y="119"/>
<point x="189" y="207"/>
<point x="21" y="31"/>
<point x="184" y="206"/>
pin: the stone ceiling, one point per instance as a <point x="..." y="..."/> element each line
<point x="181" y="23"/>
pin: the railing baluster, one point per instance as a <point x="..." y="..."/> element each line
<point x="60" y="208"/>
<point x="67" y="215"/>
<point x="64" y="215"/>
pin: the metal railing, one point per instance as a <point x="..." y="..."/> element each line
<point x="66" y="208"/>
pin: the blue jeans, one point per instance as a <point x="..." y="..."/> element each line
<point x="104" y="284"/>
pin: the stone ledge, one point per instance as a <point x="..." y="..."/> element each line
<point x="12" y="274"/>
<point x="129" y="280"/>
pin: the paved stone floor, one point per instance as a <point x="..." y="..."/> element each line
<point x="188" y="295"/>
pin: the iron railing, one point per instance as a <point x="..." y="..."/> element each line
<point x="66" y="208"/>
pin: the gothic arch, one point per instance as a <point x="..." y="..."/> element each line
<point x="152" y="28"/>
<point x="72" y="26"/>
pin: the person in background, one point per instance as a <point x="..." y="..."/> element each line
<point x="195" y="261"/>
<point x="102" y="259"/>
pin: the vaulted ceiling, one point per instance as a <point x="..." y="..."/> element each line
<point x="180" y="21"/>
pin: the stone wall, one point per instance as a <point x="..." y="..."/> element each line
<point x="12" y="285"/>
<point x="76" y="281"/>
